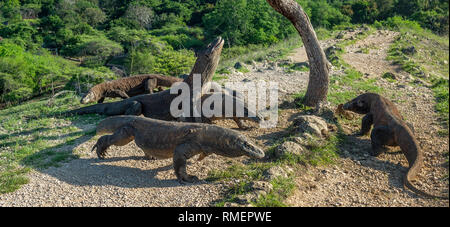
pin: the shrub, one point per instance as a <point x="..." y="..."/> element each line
<point x="94" y="50"/>
<point x="25" y="74"/>
<point x="83" y="79"/>
<point x="167" y="62"/>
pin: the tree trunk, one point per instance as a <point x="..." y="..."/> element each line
<point x="319" y="68"/>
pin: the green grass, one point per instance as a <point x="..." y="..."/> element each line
<point x="335" y="57"/>
<point x="282" y="188"/>
<point x="440" y="89"/>
<point x="245" y="173"/>
<point x="292" y="67"/>
<point x="433" y="51"/>
<point x="349" y="85"/>
<point x="317" y="154"/>
<point x="34" y="136"/>
<point x="259" y="53"/>
<point x="218" y="77"/>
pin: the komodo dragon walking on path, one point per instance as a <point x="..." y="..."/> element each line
<point x="157" y="105"/>
<point x="128" y="87"/>
<point x="177" y="140"/>
<point x="389" y="129"/>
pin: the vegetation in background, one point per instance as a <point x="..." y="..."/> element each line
<point x="161" y="36"/>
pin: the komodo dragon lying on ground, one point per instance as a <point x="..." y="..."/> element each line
<point x="177" y="140"/>
<point x="128" y="87"/>
<point x="389" y="129"/>
<point x="157" y="105"/>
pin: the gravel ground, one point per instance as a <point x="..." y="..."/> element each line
<point x="125" y="178"/>
<point x="358" y="179"/>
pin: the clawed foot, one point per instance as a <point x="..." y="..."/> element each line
<point x="101" y="152"/>
<point x="187" y="179"/>
<point x="244" y="127"/>
<point x="377" y="151"/>
<point x="360" y="134"/>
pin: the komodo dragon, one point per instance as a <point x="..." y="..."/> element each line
<point x="128" y="87"/>
<point x="177" y="140"/>
<point x="157" y="105"/>
<point x="389" y="129"/>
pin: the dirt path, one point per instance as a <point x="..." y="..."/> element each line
<point x="361" y="180"/>
<point x="125" y="178"/>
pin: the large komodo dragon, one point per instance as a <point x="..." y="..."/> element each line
<point x="389" y="129"/>
<point x="177" y="140"/>
<point x="157" y="105"/>
<point x="128" y="87"/>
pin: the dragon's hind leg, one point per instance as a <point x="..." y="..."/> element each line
<point x="120" y="137"/>
<point x="381" y="137"/>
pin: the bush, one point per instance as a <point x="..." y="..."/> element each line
<point x="82" y="80"/>
<point x="398" y="23"/>
<point x="25" y="74"/>
<point x="94" y="50"/>
<point x="243" y="22"/>
<point x="433" y="20"/>
<point x="163" y="60"/>
<point x="324" y="15"/>
<point x="180" y="37"/>
<point x="21" y="33"/>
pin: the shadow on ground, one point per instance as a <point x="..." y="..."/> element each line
<point x="356" y="148"/>
<point x="96" y="172"/>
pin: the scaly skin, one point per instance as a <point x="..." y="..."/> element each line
<point x="128" y="87"/>
<point x="157" y="105"/>
<point x="177" y="140"/>
<point x="389" y="129"/>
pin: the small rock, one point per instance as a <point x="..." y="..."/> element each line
<point x="411" y="50"/>
<point x="288" y="147"/>
<point x="261" y="186"/>
<point x="275" y="172"/>
<point x="229" y="204"/>
<point x="238" y="65"/>
<point x="313" y="125"/>
<point x="340" y="35"/>
<point x="389" y="75"/>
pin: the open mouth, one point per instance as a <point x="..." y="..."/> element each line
<point x="217" y="44"/>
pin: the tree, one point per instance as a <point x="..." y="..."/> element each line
<point x="319" y="68"/>
<point x="140" y="14"/>
<point x="364" y="11"/>
<point x="385" y="8"/>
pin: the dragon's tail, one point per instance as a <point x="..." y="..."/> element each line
<point x="407" y="183"/>
<point x="93" y="109"/>
<point x="411" y="149"/>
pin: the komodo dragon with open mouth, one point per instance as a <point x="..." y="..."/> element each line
<point x="157" y="105"/>
<point x="389" y="129"/>
<point x="128" y="87"/>
<point x="178" y="140"/>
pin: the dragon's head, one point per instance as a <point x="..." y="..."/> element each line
<point x="360" y="104"/>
